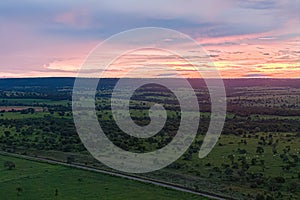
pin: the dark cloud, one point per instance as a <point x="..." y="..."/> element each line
<point x="167" y="74"/>
<point x="256" y="75"/>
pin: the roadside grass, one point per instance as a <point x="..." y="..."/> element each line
<point x="35" y="180"/>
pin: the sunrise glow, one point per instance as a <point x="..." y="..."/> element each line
<point x="247" y="39"/>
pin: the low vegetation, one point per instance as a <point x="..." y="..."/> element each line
<point x="257" y="156"/>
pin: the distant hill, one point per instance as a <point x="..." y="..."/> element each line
<point x="50" y="84"/>
<point x="36" y="83"/>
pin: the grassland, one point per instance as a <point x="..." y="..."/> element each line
<point x="34" y="102"/>
<point x="35" y="180"/>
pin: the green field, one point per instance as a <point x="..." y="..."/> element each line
<point x="17" y="115"/>
<point x="35" y="180"/>
<point x="34" y="101"/>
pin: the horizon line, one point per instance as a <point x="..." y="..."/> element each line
<point x="226" y="78"/>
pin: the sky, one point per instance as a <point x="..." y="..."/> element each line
<point x="244" y="38"/>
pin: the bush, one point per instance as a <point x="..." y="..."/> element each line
<point x="9" y="165"/>
<point x="260" y="197"/>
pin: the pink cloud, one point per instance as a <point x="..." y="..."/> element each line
<point x="74" y="18"/>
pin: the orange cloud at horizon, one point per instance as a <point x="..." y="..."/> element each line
<point x="252" y="55"/>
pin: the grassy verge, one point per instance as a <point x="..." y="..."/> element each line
<point x="35" y="180"/>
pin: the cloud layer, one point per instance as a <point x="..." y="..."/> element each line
<point x="249" y="38"/>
